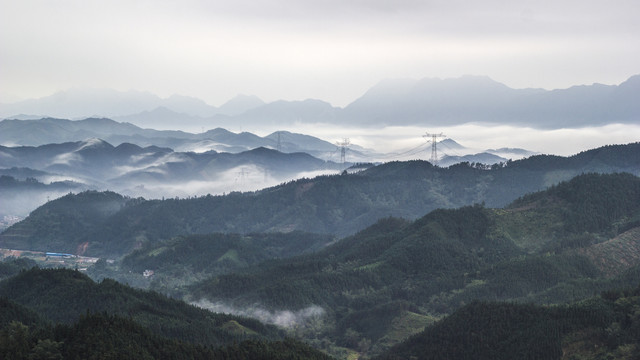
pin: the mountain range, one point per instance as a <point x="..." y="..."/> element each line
<point x="425" y="102"/>
<point x="154" y="171"/>
<point x="51" y="131"/>
<point x="99" y="154"/>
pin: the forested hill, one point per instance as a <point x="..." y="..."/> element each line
<point x="103" y="336"/>
<point x="339" y="205"/>
<point x="392" y="278"/>
<point x="63" y="296"/>
<point x="62" y="314"/>
<point x="53" y="225"/>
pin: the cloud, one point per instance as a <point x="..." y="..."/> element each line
<point x="47" y="179"/>
<point x="242" y="178"/>
<point x="66" y="159"/>
<point x="331" y="50"/>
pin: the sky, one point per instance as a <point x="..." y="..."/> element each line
<point x="332" y="50"/>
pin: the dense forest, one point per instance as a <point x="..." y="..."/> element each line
<point x="63" y="296"/>
<point x="604" y="327"/>
<point x="62" y="314"/>
<point x="104" y="336"/>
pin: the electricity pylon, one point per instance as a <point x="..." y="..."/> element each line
<point x="343" y="149"/>
<point x="434" y="147"/>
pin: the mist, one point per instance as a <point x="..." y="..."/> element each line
<point x="18" y="204"/>
<point x="245" y="178"/>
<point x="287" y="319"/>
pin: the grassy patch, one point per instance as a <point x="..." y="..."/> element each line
<point x="235" y="328"/>
<point x="405" y="325"/>
<point x="529" y="229"/>
<point x="158" y="251"/>
<point x="370" y="266"/>
<point x="231" y="254"/>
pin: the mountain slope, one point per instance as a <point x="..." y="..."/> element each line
<point x="186" y="259"/>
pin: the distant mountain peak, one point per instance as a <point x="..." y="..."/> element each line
<point x="633" y="81"/>
<point x="239" y="104"/>
<point x="451" y="144"/>
<point x="94" y="143"/>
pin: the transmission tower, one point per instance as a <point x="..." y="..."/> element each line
<point x="343" y="149"/>
<point x="242" y="174"/>
<point x="434" y="146"/>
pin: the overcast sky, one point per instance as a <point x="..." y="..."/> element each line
<point x="333" y="50"/>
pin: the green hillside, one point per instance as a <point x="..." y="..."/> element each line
<point x="340" y="205"/>
<point x="185" y="259"/>
<point x="536" y="250"/>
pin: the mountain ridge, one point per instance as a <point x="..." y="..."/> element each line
<point x="427" y="101"/>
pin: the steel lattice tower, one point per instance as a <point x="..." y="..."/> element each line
<point x="434" y="146"/>
<point x="343" y="149"/>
